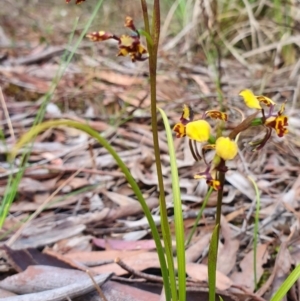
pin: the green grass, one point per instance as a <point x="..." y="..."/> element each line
<point x="14" y="180"/>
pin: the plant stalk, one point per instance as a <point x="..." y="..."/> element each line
<point x="170" y="282"/>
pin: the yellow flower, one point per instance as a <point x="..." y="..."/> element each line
<point x="226" y="148"/>
<point x="198" y="130"/>
<point x="250" y="99"/>
<point x="253" y="101"/>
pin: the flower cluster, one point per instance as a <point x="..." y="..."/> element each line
<point x="200" y="131"/>
<point x="128" y="44"/>
<point x="276" y="121"/>
<point x="225" y="147"/>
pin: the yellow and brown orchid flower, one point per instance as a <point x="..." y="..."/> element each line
<point x="128" y="44"/>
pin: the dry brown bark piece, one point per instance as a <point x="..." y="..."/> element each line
<point x="21" y="259"/>
<point x="114" y="291"/>
<point x="39" y="278"/>
<point x="78" y="288"/>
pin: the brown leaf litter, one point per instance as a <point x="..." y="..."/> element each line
<point x="83" y="212"/>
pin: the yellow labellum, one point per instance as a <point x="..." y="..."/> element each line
<point x="226" y="148"/>
<point x="198" y="130"/>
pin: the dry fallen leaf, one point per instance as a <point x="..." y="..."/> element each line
<point x="246" y="276"/>
<point x="194" y="251"/>
<point x="241" y="183"/>
<point x="199" y="272"/>
<point x="38" y="278"/>
<point x="115" y="244"/>
<point x="227" y="251"/>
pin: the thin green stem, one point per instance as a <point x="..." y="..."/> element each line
<point x="199" y="215"/>
<point x="221" y="178"/>
<point x="212" y="263"/>
<point x="255" y="239"/>
<point x="146" y="18"/>
<point x="214" y="248"/>
<point x="168" y="274"/>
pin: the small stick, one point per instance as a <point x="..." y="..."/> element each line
<point x="10" y="127"/>
<point x="124" y="266"/>
<point x="97" y="287"/>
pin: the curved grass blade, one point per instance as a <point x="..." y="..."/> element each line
<point x="179" y="229"/>
<point x="287" y="284"/>
<point x="34" y="131"/>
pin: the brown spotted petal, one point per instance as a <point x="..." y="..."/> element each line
<point x="279" y="124"/>
<point x="216" y="115"/>
<point x="98" y="36"/>
<point x="130" y="45"/>
<point x="180" y="130"/>
<point x="209" y="180"/>
<point x="265" y="100"/>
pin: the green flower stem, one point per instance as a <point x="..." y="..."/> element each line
<point x="212" y="262"/>
<point x="169" y="280"/>
<point x="255" y="240"/>
<point x="199" y="215"/>
<point x="221" y="178"/>
<point x="146" y="17"/>
<point x="214" y="247"/>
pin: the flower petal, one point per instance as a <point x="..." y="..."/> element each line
<point x="127" y="41"/>
<point x="226" y="148"/>
<point x="129" y="23"/>
<point x="267" y="101"/>
<point x="215" y="114"/>
<point x="198" y="130"/>
<point x="209" y="180"/>
<point x="187" y="114"/>
<point x="282" y="108"/>
<point x="97" y="36"/>
<point x="250" y="99"/>
<point x="215" y="184"/>
<point x="180" y="130"/>
<point x="123" y="52"/>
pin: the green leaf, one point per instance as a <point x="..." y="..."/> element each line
<point x="146" y="35"/>
<point x="34" y="131"/>
<point x="179" y="228"/>
<point x="287" y="284"/>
